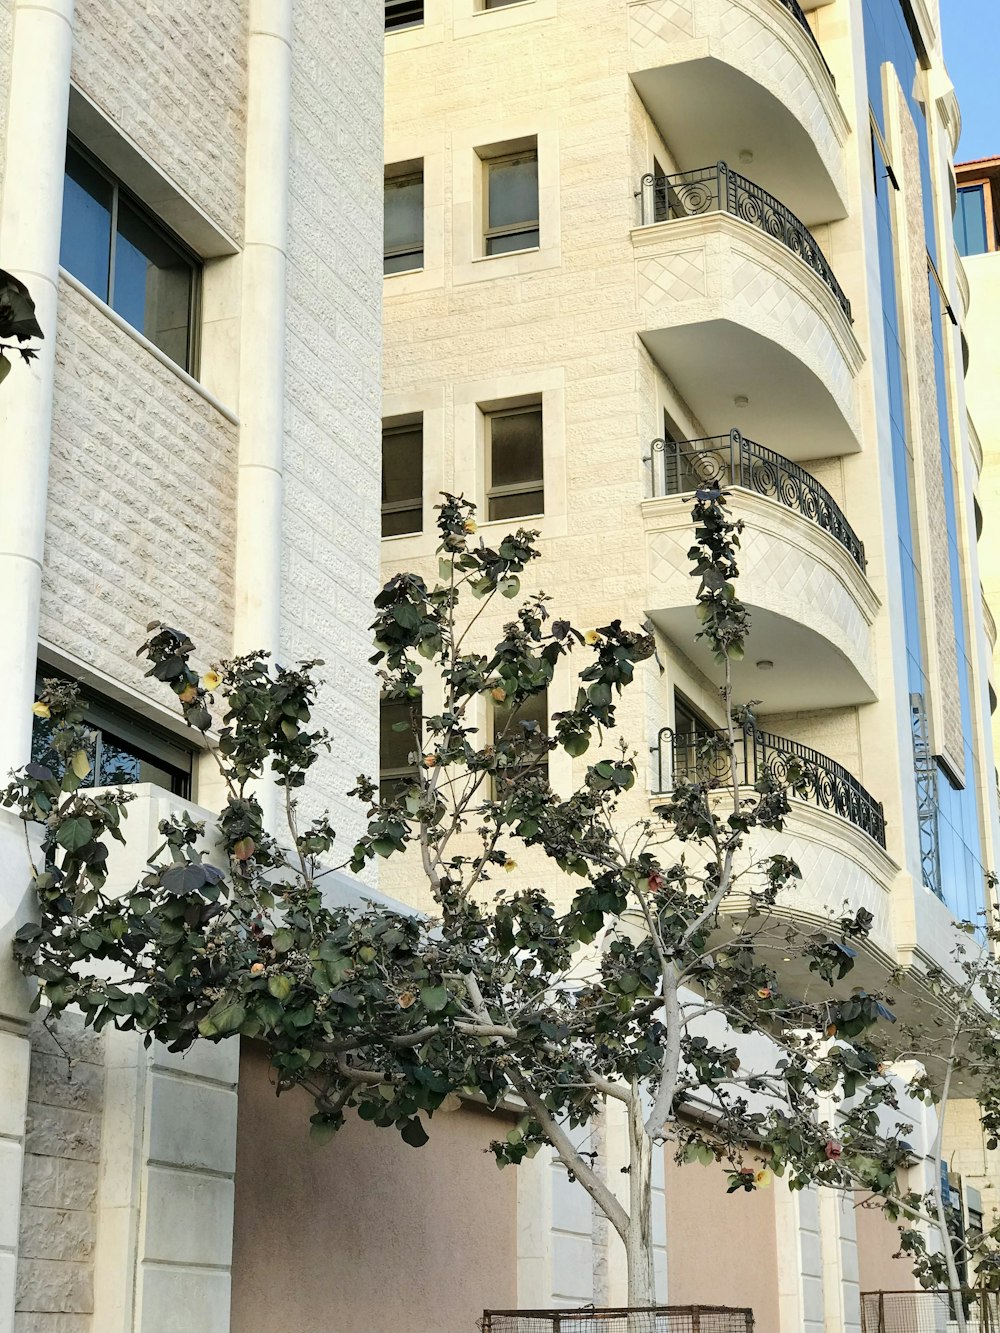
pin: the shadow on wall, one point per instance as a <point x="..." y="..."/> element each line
<point x="364" y="1234"/>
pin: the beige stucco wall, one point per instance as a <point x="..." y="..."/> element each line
<point x="878" y="1241"/>
<point x="319" y="1230"/>
<point x="699" y="1215"/>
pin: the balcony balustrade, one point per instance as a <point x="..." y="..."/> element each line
<point x="816" y="779"/>
<point x="719" y="189"/>
<point x="681" y="466"/>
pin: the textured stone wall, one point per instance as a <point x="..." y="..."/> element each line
<point x="55" y="1289"/>
<point x="6" y="45"/>
<point x="172" y="77"/>
<point x="332" y="406"/>
<point x="141" y="501"/>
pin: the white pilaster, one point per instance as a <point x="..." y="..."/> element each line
<point x="30" y="226"/>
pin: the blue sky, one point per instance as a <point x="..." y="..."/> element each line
<point x="972" y="54"/>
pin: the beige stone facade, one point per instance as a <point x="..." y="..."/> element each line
<point x="663" y="295"/>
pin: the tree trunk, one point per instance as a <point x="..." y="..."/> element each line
<point x="639" y="1238"/>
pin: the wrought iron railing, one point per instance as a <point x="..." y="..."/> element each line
<point x="678" y="466"/>
<point x="638" y="1319"/>
<point x="717" y="189"/>
<point x="797" y="12"/>
<point x="705" y="757"/>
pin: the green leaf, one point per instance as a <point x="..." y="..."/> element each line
<point x="280" y="986"/>
<point x="223" y="1017"/>
<point x="80" y="764"/>
<point x="75" y="833"/>
<point x="414" y="1133"/>
<point x="510" y="587"/>
<point x="576" y="744"/>
<point x="322" y="1128"/>
<point x="4" y="367"/>
<point x="433" y="998"/>
<point x="282" y="940"/>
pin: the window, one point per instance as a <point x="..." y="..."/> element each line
<point x="402" y="479"/>
<point x="514" y="486"/>
<point x="971" y="235"/>
<point x="499" y="4"/>
<point x="691" y="730"/>
<point x="121" y="253"/>
<point x="404" y="220"/>
<point x="125" y="749"/>
<point x="397" y="743"/>
<point x="511" y="205"/>
<point x="508" y="724"/>
<point x="403" y="14"/>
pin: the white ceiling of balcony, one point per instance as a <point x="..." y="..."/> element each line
<point x="788" y="407"/>
<point x="808" y="671"/>
<point x="709" y="112"/>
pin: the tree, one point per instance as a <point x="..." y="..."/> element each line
<point x="635" y="979"/>
<point x="17" y="321"/>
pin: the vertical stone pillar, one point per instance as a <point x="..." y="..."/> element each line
<point x="30" y="226"/>
<point x="800" y="1262"/>
<point x="839" y="1248"/>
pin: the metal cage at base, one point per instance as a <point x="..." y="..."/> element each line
<point x="636" y="1319"/>
<point x="704" y="757"/>
<point x="719" y="189"/>
<point x="733" y="460"/>
<point x="928" y="1311"/>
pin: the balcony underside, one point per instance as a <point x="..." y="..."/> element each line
<point x="812" y="611"/>
<point x="809" y="672"/>
<point x="708" y="110"/>
<point x="717" y="361"/>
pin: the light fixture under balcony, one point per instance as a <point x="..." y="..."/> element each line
<point x="746" y="156"/>
<point x="765" y="665"/>
<point x="741" y="400"/>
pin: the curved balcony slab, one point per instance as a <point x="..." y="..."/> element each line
<point x="730" y="313"/>
<point x="812" y="609"/>
<point x="723" y="77"/>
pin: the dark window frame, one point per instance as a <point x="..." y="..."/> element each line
<point x="528" y="486"/>
<point x="144" y="740"/>
<point x="412" y="504"/>
<point x="193" y="261"/>
<point x="523" y="227"/>
<point x="401" y="251"/>
<point x="402" y="14"/>
<point x="396" y="774"/>
<point x="537" y="765"/>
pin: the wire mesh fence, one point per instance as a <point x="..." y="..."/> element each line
<point x="656" y="1319"/>
<point x="929" y="1311"/>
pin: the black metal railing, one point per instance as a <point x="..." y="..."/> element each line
<point x="798" y="13"/>
<point x="717" y="189"/>
<point x="678" y="466"/>
<point x="704" y="757"/>
<point x="928" y="1311"/>
<point x="638" y="1319"/>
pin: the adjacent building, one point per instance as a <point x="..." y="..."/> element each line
<point x="631" y="245"/>
<point x="191" y="192"/>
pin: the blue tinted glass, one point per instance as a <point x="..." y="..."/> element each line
<point x="85" y="245"/>
<point x="970" y="221"/>
<point x="153" y="283"/>
<point x="888" y="41"/>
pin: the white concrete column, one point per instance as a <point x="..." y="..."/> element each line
<point x="30" y="225"/>
<point x="839" y="1247"/>
<point x="800" y="1264"/>
<point x="262" y="338"/>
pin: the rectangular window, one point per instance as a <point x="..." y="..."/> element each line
<point x="508" y="723"/>
<point x="971" y="235"/>
<point x="121" y="253"/>
<point x="499" y="4"/>
<point x="402" y="480"/>
<point x="403" y="14"/>
<point x="690" y="731"/>
<point x="511" y="204"/>
<point x="514" y="482"/>
<point x="403" y="236"/>
<point x="399" y="741"/>
<point x="124" y="749"/>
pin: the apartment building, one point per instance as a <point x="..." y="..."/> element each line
<point x="635" y="244"/>
<point x="191" y="192"/>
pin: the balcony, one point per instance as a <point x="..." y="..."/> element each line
<point x="821" y="781"/>
<point x="744" y="77"/>
<point x="834" y="831"/>
<point x="812" y="610"/>
<point x="678" y="467"/>
<point x="741" y="307"/>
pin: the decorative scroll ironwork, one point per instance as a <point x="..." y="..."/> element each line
<point x="717" y="189"/>
<point x="732" y="460"/>
<point x="798" y="13"/>
<point x="704" y="757"/>
<point x="926" y="773"/>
